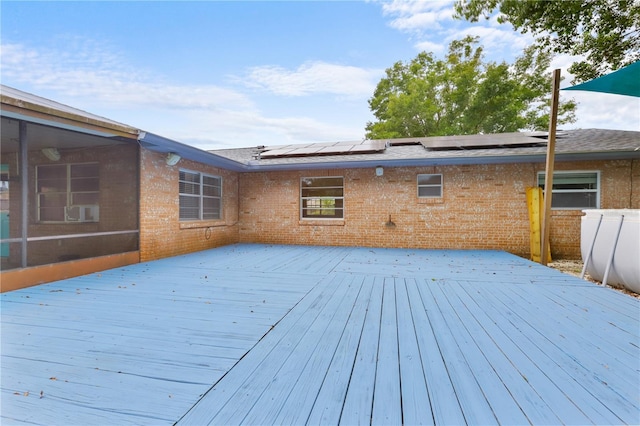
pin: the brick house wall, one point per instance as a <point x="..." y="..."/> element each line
<point x="483" y="207"/>
<point x="620" y="189"/>
<point x="162" y="234"/>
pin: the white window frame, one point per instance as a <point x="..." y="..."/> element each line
<point x="306" y="199"/>
<point x="200" y="195"/>
<point x="556" y="174"/>
<point x="440" y="185"/>
<point x="75" y="211"/>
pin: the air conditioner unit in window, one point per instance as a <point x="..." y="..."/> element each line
<point x="83" y="213"/>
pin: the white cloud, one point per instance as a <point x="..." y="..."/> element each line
<point x="596" y="110"/>
<point x="100" y="78"/>
<point x="498" y="43"/>
<point x="233" y="128"/>
<point x="429" y="46"/>
<point x="314" y="78"/>
<point x="412" y="7"/>
<point x="604" y="111"/>
<point x="100" y="81"/>
<point x="432" y="27"/>
<point x="416" y="16"/>
<point x="422" y="21"/>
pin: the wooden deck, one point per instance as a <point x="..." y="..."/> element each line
<point x="259" y="334"/>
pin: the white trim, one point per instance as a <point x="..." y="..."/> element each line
<point x="301" y="198"/>
<point x="200" y="196"/>
<point x="441" y="185"/>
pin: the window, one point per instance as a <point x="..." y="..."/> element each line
<point x="68" y="192"/>
<point x="200" y="196"/>
<point x="430" y="186"/>
<point x="574" y="190"/>
<point x="322" y="198"/>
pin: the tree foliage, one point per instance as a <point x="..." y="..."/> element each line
<point x="461" y="94"/>
<point x="605" y="32"/>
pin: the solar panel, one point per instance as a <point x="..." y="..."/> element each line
<point x="275" y="153"/>
<point x="404" y="141"/>
<point x="308" y="150"/>
<point x="334" y="148"/>
<point x="499" y="140"/>
<point x="368" y="146"/>
<point x="485" y="141"/>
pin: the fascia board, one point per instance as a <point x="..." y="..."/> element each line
<point x="64" y="124"/>
<point x="447" y="161"/>
<point x="161" y="144"/>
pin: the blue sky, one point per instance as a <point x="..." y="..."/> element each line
<point x="233" y="74"/>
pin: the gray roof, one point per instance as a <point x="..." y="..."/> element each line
<point x="581" y="144"/>
<point x="586" y="144"/>
<point x="30" y="102"/>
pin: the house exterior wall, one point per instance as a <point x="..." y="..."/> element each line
<point x="162" y="234"/>
<point x="482" y="207"/>
<point x="619" y="189"/>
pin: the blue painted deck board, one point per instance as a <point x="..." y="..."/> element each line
<point x="416" y="401"/>
<point x="564" y="394"/>
<point x="387" y="407"/>
<point x="261" y="334"/>
<point x="573" y="349"/>
<point x="472" y="398"/>
<point x="500" y="365"/>
<point x="443" y="399"/>
<point x="358" y="402"/>
<point x="328" y="402"/>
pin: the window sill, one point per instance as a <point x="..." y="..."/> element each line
<point x="567" y="212"/>
<point x="194" y="224"/>
<point x="435" y="200"/>
<point x="321" y="222"/>
<point x="70" y="222"/>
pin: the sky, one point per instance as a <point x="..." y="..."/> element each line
<point x="218" y="75"/>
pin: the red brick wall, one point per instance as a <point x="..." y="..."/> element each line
<point x="162" y="234"/>
<point x="483" y="207"/>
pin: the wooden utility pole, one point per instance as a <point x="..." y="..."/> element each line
<point x="548" y="173"/>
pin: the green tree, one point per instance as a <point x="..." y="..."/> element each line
<point x="461" y="95"/>
<point x="606" y="33"/>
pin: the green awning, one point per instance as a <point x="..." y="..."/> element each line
<point x="625" y="81"/>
